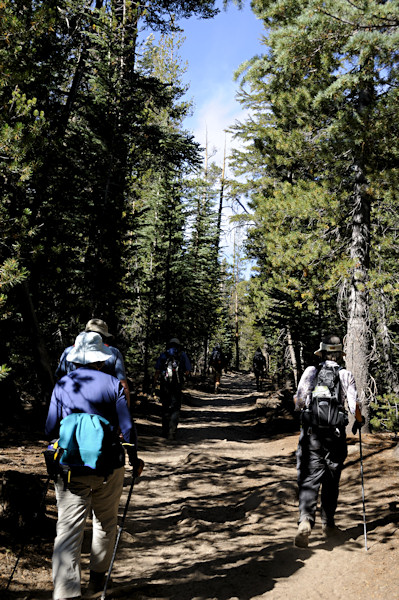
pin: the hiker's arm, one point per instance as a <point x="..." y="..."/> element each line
<point x="187" y="364"/>
<point x="305" y="387"/>
<point x="125" y="421"/>
<point x="125" y="386"/>
<point x="53" y="417"/>
<point x="349" y="387"/>
<point x="120" y="373"/>
<point x="354" y="404"/>
<point x="158" y="366"/>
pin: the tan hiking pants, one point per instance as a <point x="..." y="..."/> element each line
<point x="84" y="493"/>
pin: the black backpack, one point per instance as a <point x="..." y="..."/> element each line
<point x="216" y="358"/>
<point x="259" y="361"/>
<point x="171" y="367"/>
<point x="325" y="411"/>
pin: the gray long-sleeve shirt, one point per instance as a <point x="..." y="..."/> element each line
<point x="307" y="382"/>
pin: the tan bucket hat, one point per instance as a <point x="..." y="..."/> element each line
<point x="329" y="348"/>
<point x="98" y="325"/>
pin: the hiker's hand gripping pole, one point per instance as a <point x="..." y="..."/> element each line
<point x="137" y="471"/>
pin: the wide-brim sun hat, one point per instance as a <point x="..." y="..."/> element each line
<point x="89" y="348"/>
<point x="99" y="326"/>
<point x="329" y="348"/>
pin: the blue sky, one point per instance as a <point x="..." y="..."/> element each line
<point x="214" y="49"/>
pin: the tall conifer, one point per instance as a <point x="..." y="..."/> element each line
<point x="321" y="98"/>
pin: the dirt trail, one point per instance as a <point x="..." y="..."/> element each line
<point x="214" y="514"/>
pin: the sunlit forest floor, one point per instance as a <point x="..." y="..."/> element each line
<point x="214" y="514"/>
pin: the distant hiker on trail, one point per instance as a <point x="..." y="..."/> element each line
<point x="88" y="408"/>
<point x="113" y="366"/>
<point x="170" y="369"/>
<point x="322" y="448"/>
<point x="259" y="368"/>
<point x="217" y="362"/>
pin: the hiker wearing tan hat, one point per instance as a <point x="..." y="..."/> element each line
<point x="322" y="395"/>
<point x="114" y="365"/>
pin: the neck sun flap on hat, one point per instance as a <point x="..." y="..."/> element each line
<point x="89" y="348"/>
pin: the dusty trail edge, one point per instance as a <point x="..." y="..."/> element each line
<point x="214" y="514"/>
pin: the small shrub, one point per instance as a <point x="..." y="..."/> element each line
<point x="384" y="414"/>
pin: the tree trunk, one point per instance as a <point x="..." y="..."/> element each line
<point x="205" y="356"/>
<point x="146" y="375"/>
<point x="44" y="372"/>
<point x="237" y="325"/>
<point x="357" y="344"/>
<point x="292" y="355"/>
<point x="221" y="197"/>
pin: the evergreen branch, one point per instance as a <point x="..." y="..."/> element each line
<point x="359" y="27"/>
<point x="344" y="21"/>
<point x="242" y="206"/>
<point x="394" y="23"/>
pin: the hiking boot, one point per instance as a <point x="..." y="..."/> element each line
<point x="329" y="530"/>
<point x="96" y="584"/>
<point x="303" y="533"/>
<point x="172" y="431"/>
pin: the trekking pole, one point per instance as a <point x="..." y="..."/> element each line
<point x="120" y="528"/>
<point x="24" y="543"/>
<point x="361" y="475"/>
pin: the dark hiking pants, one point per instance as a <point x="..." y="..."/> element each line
<point x="171" y="405"/>
<point x="320" y="458"/>
<point x="258" y="377"/>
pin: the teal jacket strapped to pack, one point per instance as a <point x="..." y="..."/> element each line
<point x="85" y="438"/>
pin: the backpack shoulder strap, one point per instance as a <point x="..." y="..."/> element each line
<point x="338" y="387"/>
<point x="318" y="369"/>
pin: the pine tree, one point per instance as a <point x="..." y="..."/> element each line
<point x="320" y="95"/>
<point x="86" y="133"/>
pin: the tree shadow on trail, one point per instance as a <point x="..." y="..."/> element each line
<point x="224" y="577"/>
<point x="221" y="521"/>
<point x="234" y="414"/>
<point x="223" y="525"/>
<point x="242" y="578"/>
<point x="241" y="574"/>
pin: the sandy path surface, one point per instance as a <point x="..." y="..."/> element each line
<point x="214" y="514"/>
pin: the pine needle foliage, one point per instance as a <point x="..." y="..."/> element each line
<point x="320" y="161"/>
<point x="94" y="162"/>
